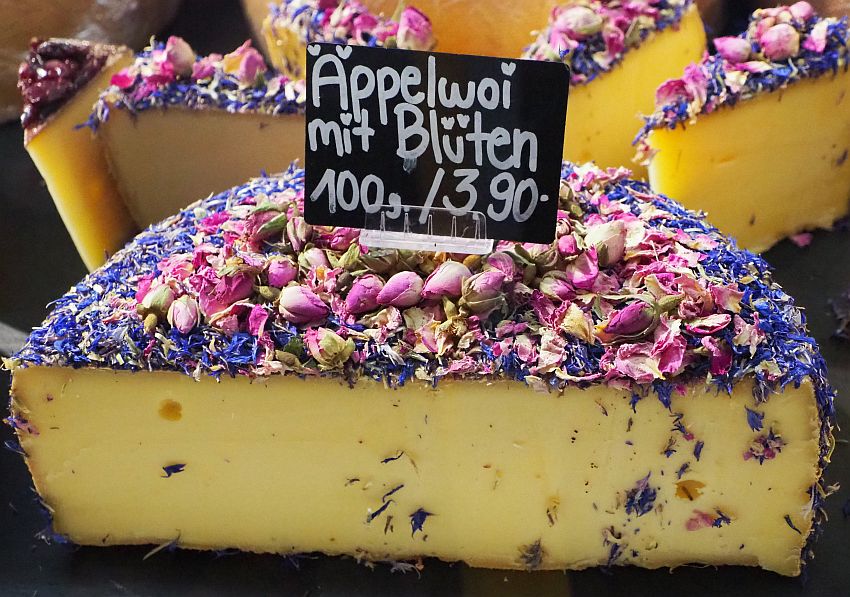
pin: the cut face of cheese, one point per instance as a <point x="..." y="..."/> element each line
<point x="495" y="475"/>
<point x="162" y="159"/>
<point x="766" y="168"/>
<point x="601" y="115"/>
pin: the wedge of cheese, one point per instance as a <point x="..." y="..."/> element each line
<point x="639" y="393"/>
<point x="156" y="141"/>
<point x="69" y="158"/>
<point x="618" y="55"/>
<point x="611" y="88"/>
<point x="758" y="135"/>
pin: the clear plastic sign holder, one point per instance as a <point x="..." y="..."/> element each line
<point x="428" y="229"/>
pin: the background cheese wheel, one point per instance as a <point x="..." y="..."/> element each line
<point x="129" y="22"/>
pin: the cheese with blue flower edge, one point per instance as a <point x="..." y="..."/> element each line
<point x="640" y="392"/>
<point x="149" y="135"/>
<point x="758" y="134"/>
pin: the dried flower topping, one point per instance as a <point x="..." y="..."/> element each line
<point x="635" y="291"/>
<point x="171" y="74"/>
<point x="781" y="46"/>
<point x="343" y="22"/>
<point x="594" y="35"/>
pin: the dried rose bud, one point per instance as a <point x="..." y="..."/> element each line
<point x="363" y="296"/>
<point x="281" y="271"/>
<point x="380" y="261"/>
<point x="802" y="10"/>
<point x="402" y="290"/>
<point x="158" y="300"/>
<point x="733" y="49"/>
<point x="636" y="319"/>
<point x="313" y="257"/>
<point x="216" y="295"/>
<point x="299" y="232"/>
<point x="780" y="42"/>
<point x="184" y="314"/>
<point x="299" y="304"/>
<point x="181" y="55"/>
<point x="577" y="22"/>
<point x="329" y="349"/>
<point x="501" y="262"/>
<point x="609" y="239"/>
<point x="446" y="280"/>
<point x="482" y="293"/>
<point x="555" y="285"/>
<point x="414" y="30"/>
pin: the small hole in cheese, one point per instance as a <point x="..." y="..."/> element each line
<point x="170" y="410"/>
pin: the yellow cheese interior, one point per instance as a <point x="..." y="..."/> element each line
<point x="511" y="478"/>
<point x="766" y="168"/>
<point x="163" y="160"/>
<point x="72" y="163"/>
<point x="603" y="115"/>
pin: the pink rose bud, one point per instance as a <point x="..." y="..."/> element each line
<point x="281" y="271"/>
<point x="609" y="239"/>
<point x="299" y="232"/>
<point x="446" y="280"/>
<point x="637" y="318"/>
<point x="216" y="297"/>
<point x="180" y="55"/>
<point x="578" y="22"/>
<point x="363" y="296"/>
<point x="482" y="293"/>
<point x="802" y="10"/>
<point x="402" y="290"/>
<point x="314" y="257"/>
<point x="556" y="286"/>
<point x="184" y="314"/>
<point x="364" y="23"/>
<point x="567" y="245"/>
<point x="733" y="49"/>
<point x="780" y="42"/>
<point x="299" y="304"/>
<point x="158" y="300"/>
<point x="503" y="263"/>
<point x="414" y="30"/>
<point x="584" y="270"/>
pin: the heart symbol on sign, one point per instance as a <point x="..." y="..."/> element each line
<point x="463" y="120"/>
<point x="345" y="119"/>
<point x="314" y="49"/>
<point x="448" y="122"/>
<point x="343" y="51"/>
<point x="508" y="68"/>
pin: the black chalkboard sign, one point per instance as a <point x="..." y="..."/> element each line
<point x="398" y="135"/>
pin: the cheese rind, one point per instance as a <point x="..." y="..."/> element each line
<point x="731" y="163"/>
<point x="510" y="478"/>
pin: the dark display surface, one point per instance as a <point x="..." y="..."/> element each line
<point x="467" y="135"/>
<point x="39" y="263"/>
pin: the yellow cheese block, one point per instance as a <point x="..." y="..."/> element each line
<point x="491" y="474"/>
<point x="766" y="168"/>
<point x="601" y="115"/>
<point x="72" y="163"/>
<point x="162" y="160"/>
